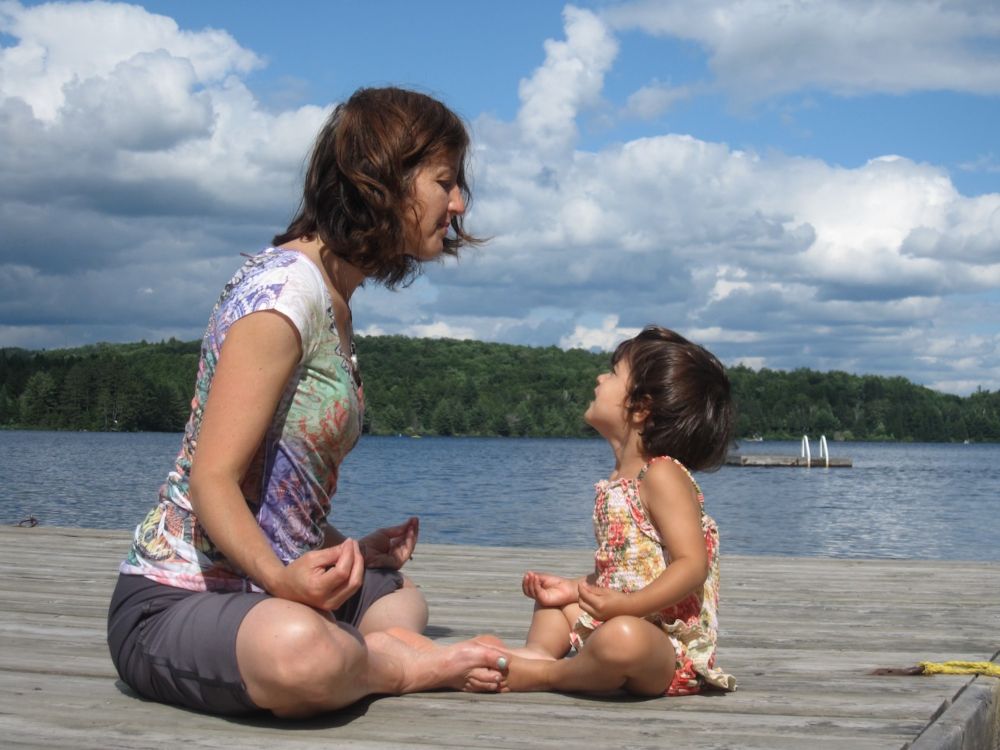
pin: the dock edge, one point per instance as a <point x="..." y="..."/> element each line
<point x="970" y="721"/>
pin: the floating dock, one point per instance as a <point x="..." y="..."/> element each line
<point x="805" y="458"/>
<point x="761" y="459"/>
<point x="801" y="635"/>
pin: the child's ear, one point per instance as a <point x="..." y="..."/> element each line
<point x="639" y="410"/>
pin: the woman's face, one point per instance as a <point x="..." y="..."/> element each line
<point x="435" y="200"/>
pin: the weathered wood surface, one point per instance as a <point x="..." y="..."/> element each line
<point x="799" y="633"/>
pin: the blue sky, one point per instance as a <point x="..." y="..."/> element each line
<point x="796" y="184"/>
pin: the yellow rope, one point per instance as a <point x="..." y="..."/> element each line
<point x="961" y="667"/>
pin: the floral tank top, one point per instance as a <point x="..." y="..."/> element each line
<point x="630" y="555"/>
<point x="294" y="473"/>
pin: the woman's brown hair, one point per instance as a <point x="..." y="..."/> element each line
<point x="685" y="391"/>
<point x="357" y="185"/>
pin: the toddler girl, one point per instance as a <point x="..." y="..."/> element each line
<point x="645" y="619"/>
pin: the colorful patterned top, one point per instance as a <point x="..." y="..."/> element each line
<point x="630" y="555"/>
<point x="294" y="473"/>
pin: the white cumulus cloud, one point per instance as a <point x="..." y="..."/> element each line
<point x="571" y="79"/>
<point x="122" y="222"/>
<point x="759" y="48"/>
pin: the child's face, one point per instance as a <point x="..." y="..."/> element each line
<point x="608" y="413"/>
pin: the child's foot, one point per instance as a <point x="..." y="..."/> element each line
<point x="527" y="673"/>
<point x="525" y="652"/>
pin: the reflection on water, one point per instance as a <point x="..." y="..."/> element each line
<point x="899" y="500"/>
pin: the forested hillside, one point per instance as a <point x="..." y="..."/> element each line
<point x="448" y="387"/>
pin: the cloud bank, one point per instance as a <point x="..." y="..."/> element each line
<point x="139" y="164"/>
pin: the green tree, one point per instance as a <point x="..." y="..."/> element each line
<point x="8" y="406"/>
<point x="38" y="402"/>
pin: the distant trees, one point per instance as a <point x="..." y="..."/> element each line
<point x="106" y="387"/>
<point x="780" y="404"/>
<point x="448" y="387"/>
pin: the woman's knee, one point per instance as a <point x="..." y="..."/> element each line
<point x="406" y="607"/>
<point x="296" y="651"/>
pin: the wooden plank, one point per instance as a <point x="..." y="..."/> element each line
<point x="801" y="634"/>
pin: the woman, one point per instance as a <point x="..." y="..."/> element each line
<point x="223" y="602"/>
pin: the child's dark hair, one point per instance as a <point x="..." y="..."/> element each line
<point x="687" y="394"/>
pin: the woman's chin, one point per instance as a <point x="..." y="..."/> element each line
<point x="432" y="252"/>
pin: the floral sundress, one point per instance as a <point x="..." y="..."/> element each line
<point x="630" y="555"/>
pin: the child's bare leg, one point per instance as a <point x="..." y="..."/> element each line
<point x="625" y="652"/>
<point x="548" y="634"/>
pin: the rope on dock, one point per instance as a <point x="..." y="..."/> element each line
<point x="28" y="523"/>
<point x="986" y="668"/>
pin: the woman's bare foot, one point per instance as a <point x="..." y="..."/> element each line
<point x="413" y="640"/>
<point x="467" y="666"/>
<point x="426" y="665"/>
<point x="488" y="639"/>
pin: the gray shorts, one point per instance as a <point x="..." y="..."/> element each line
<point x="178" y="646"/>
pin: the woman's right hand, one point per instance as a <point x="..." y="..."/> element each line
<point x="549" y="590"/>
<point x="324" y="578"/>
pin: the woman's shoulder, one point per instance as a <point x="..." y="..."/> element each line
<point x="280" y="280"/>
<point x="287" y="268"/>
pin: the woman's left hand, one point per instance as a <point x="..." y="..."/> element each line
<point x="390" y="547"/>
<point x="601" y="603"/>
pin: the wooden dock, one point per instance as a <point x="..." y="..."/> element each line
<point x="800" y="634"/>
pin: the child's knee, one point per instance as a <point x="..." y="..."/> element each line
<point x="626" y="640"/>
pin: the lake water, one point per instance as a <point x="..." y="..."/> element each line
<point x="934" y="501"/>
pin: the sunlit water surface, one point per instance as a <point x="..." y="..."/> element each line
<point x="935" y="501"/>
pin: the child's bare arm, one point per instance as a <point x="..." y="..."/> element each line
<point x="673" y="507"/>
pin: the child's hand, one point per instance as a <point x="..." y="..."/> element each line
<point x="601" y="603"/>
<point x="548" y="590"/>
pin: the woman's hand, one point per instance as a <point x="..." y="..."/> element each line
<point x="601" y="603"/>
<point x="549" y="590"/>
<point x="324" y="578"/>
<point x="390" y="547"/>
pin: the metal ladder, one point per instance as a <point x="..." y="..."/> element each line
<point x="824" y="451"/>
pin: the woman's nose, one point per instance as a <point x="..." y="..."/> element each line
<point x="456" y="202"/>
